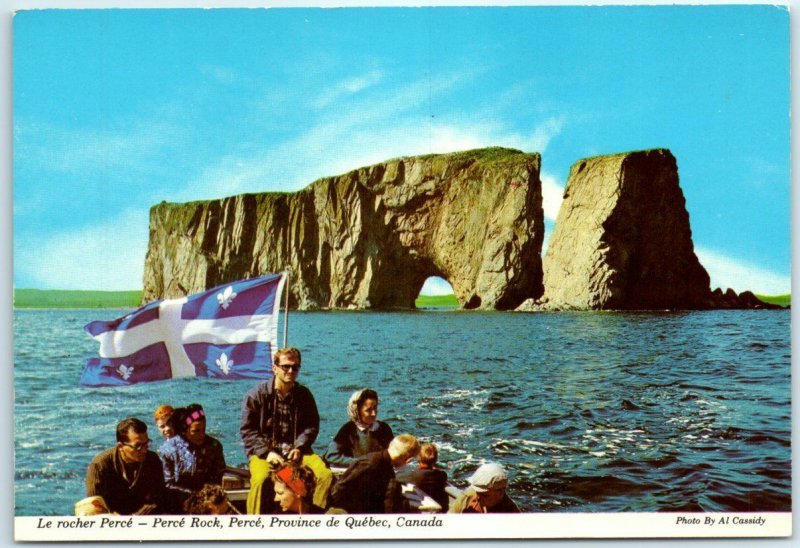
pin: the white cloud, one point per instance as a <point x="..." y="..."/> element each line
<point x="726" y="272"/>
<point x="365" y="133"/>
<point x="552" y="196"/>
<point x="111" y="256"/>
<point x="107" y="257"/>
<point x="548" y="233"/>
<point x="221" y="74"/>
<point x="542" y="134"/>
<point x="436" y="286"/>
<point x="366" y="144"/>
<point x="80" y="150"/>
<point x="348" y="87"/>
<point x="356" y="141"/>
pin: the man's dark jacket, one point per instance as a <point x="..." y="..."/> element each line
<point x="257" y="414"/>
<point x="368" y="486"/>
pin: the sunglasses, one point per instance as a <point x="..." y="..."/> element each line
<point x="289" y="368"/>
<point x="139" y="446"/>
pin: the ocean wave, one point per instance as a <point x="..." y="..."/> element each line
<point x="549" y="403"/>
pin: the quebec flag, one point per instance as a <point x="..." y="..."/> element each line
<point x="229" y="332"/>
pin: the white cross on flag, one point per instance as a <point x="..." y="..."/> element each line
<point x="228" y="332"/>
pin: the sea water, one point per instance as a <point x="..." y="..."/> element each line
<point x="589" y="412"/>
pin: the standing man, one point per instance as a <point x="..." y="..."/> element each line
<point x="128" y="477"/>
<point x="280" y="422"/>
<point x="486" y="493"/>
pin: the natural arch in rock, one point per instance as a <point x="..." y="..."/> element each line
<point x="435" y="286"/>
<point x="370" y="238"/>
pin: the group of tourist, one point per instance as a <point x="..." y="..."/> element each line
<point x="280" y="422"/>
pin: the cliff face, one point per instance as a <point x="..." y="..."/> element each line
<point x="369" y="238"/>
<point x="622" y="239"/>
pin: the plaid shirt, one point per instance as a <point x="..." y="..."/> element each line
<point x="283" y="417"/>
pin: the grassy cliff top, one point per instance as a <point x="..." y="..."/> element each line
<point x="488" y="155"/>
<point x="781" y="300"/>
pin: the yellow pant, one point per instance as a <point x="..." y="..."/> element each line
<point x="260" y="471"/>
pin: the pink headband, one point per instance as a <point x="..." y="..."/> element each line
<point x="195" y="416"/>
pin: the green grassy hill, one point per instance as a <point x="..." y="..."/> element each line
<point x="39" y="298"/>
<point x="450" y="301"/>
<point x="442" y="301"/>
<point x="782" y="300"/>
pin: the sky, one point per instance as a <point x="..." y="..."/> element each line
<point x="117" y="110"/>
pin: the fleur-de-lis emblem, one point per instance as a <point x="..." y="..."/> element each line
<point x="125" y="372"/>
<point x="224" y="364"/>
<point x="226" y="297"/>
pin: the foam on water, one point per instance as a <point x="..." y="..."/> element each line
<point x="589" y="412"/>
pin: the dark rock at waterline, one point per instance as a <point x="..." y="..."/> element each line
<point x="630" y="406"/>
<point x="745" y="300"/>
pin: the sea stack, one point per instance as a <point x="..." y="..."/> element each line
<point x="622" y="239"/>
<point x="367" y="239"/>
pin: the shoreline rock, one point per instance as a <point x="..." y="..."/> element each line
<point x="622" y="239"/>
<point x="367" y="239"/>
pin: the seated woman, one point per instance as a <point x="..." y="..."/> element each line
<point x="190" y="459"/>
<point x="210" y="500"/>
<point x="294" y="489"/>
<point x="362" y="434"/>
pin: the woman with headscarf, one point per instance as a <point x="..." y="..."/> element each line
<point x="191" y="458"/>
<point x="294" y="489"/>
<point x="362" y="434"/>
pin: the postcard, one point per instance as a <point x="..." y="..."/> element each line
<point x="316" y="273"/>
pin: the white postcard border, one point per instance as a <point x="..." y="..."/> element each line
<point x="405" y="526"/>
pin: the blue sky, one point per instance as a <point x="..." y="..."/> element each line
<point x="117" y="110"/>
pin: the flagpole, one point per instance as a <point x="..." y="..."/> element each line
<point x="286" y="313"/>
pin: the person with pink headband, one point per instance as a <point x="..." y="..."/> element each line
<point x="294" y="489"/>
<point x="191" y="458"/>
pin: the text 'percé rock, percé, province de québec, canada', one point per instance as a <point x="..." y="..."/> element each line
<point x="367" y="239"/>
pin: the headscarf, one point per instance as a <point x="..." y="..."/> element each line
<point x="288" y="476"/>
<point x="352" y="410"/>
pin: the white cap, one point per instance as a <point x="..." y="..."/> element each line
<point x="489" y="476"/>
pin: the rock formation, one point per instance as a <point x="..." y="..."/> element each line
<point x="622" y="239"/>
<point x="744" y="300"/>
<point x="368" y="238"/>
